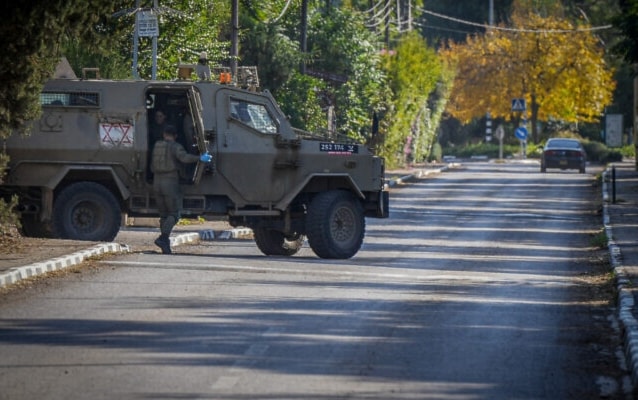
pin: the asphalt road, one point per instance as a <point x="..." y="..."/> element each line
<point x="479" y="286"/>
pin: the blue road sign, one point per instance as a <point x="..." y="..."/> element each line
<point x="521" y="133"/>
<point x="518" y="105"/>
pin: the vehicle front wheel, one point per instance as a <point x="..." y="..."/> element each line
<point x="275" y="243"/>
<point x="86" y="211"/>
<point x="335" y="225"/>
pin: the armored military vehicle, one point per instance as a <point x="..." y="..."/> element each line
<point x="86" y="163"/>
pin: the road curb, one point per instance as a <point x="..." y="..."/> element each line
<point x="418" y="173"/>
<point x="17" y="274"/>
<point x="625" y="301"/>
<point x="237" y="233"/>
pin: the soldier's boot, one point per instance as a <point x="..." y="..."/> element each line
<point x="164" y="243"/>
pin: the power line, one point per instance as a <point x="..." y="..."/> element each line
<point x="439" y="28"/>
<point x="381" y="20"/>
<point x="501" y="28"/>
<point x="374" y="7"/>
<point x="384" y="9"/>
<point x="283" y="12"/>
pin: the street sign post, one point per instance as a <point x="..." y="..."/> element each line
<point x="521" y="134"/>
<point x="500" y="134"/>
<point x="518" y="105"/>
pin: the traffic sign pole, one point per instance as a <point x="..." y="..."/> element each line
<point x="518" y="105"/>
<point x="500" y="133"/>
<point x="488" y="127"/>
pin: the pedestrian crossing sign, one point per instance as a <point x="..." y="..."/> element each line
<point x="518" y="105"/>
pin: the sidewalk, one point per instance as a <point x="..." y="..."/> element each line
<point x="620" y="218"/>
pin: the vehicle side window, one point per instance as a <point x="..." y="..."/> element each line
<point x="254" y="115"/>
<point x="72" y="99"/>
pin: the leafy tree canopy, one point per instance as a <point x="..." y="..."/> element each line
<point x="627" y="22"/>
<point x="187" y="28"/>
<point x="561" y="72"/>
<point x="340" y="44"/>
<point x="414" y="71"/>
<point x="29" y="36"/>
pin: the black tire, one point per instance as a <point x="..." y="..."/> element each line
<point x="335" y="225"/>
<point x="32" y="227"/>
<point x="275" y="243"/>
<point x="86" y="211"/>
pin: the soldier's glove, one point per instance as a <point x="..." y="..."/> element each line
<point x="206" y="158"/>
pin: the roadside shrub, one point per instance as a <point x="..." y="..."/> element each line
<point x="596" y="151"/>
<point x="534" y="150"/>
<point x="436" y="154"/>
<point x="488" y="149"/>
<point x="628" y="151"/>
<point x="599" y="152"/>
<point x="8" y="218"/>
<point x="611" y="156"/>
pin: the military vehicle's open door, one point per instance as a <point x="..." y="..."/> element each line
<point x="195" y="105"/>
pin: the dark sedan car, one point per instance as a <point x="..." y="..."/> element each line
<point x="564" y="154"/>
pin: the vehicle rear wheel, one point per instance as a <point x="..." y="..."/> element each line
<point x="86" y="211"/>
<point x="275" y="243"/>
<point x="335" y="225"/>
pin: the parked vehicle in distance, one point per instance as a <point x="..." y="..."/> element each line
<point x="564" y="153"/>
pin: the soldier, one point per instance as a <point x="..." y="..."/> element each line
<point x="158" y="126"/>
<point x="165" y="165"/>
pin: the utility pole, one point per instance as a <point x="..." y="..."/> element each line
<point x="387" y="26"/>
<point x="410" y="15"/>
<point x="635" y="115"/>
<point x="303" y="41"/>
<point x="234" y="38"/>
<point x="491" y="17"/>
<point x="146" y="25"/>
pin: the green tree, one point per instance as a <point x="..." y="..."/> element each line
<point x="627" y="22"/>
<point x="341" y="46"/>
<point x="30" y="36"/>
<point x="266" y="46"/>
<point x="301" y="99"/>
<point x="186" y="29"/>
<point x="415" y="73"/>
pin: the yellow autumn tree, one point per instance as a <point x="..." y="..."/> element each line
<point x="557" y="67"/>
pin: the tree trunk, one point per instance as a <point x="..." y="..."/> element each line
<point x="534" y="119"/>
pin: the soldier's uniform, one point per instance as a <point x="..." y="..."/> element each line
<point x="166" y="162"/>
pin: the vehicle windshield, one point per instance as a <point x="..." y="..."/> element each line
<point x="253" y="115"/>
